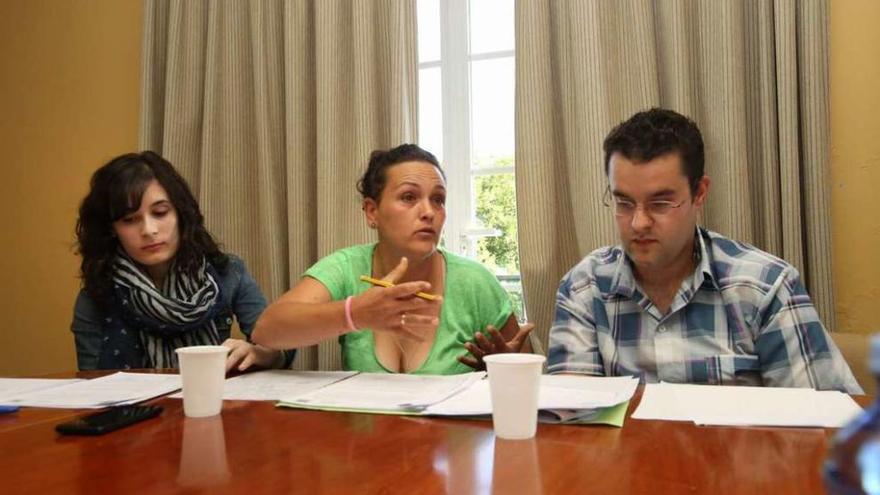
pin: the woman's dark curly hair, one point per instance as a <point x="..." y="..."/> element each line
<point x="373" y="181"/>
<point x="116" y="190"/>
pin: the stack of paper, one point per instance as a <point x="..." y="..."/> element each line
<point x="561" y="398"/>
<point x="384" y="392"/>
<point x="112" y="390"/>
<point x="622" y="389"/>
<point x="565" y="392"/>
<point x="12" y="387"/>
<point x="758" y="406"/>
<point x="277" y="384"/>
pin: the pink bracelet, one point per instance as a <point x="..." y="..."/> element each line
<point x="348" y="320"/>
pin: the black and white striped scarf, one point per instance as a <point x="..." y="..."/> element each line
<point x="180" y="314"/>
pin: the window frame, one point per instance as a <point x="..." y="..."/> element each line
<point x="463" y="229"/>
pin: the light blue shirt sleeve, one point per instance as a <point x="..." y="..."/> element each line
<point x="573" y="344"/>
<point x="793" y="347"/>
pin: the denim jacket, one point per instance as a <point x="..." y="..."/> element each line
<point x="242" y="299"/>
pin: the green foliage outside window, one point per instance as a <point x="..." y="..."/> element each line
<point x="496" y="209"/>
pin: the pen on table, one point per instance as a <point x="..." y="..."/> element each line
<point x="8" y="409"/>
<point x="384" y="283"/>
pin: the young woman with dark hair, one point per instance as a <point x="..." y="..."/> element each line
<point x="153" y="277"/>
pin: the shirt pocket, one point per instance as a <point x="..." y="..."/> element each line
<point x="223" y="322"/>
<point x="734" y="369"/>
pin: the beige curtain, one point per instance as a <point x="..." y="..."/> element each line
<point x="752" y="74"/>
<point x="270" y="110"/>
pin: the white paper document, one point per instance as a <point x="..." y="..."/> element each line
<point x="12" y="387"/>
<point x="385" y="392"/>
<point x="741" y="406"/>
<point x="565" y="397"/>
<point x="277" y="384"/>
<point x="556" y="392"/>
<point x="111" y="390"/>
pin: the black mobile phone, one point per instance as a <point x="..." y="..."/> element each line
<point x="109" y="420"/>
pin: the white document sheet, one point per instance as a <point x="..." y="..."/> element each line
<point x="741" y="406"/>
<point x="111" y="390"/>
<point x="557" y="392"/>
<point x="386" y="392"/>
<point x="621" y="387"/>
<point x="277" y="384"/>
<point x="12" y="387"/>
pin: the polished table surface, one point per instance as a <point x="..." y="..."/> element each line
<point x="256" y="447"/>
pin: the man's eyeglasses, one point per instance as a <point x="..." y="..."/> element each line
<point x="626" y="208"/>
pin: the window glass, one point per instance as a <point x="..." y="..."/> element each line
<point x="492" y="102"/>
<point x="492" y="26"/>
<point x="431" y="111"/>
<point x="428" y="18"/>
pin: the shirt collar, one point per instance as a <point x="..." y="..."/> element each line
<point x="704" y="268"/>
<point x="624" y="283"/>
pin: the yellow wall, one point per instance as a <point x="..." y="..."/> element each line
<point x="855" y="162"/>
<point x="68" y="102"/>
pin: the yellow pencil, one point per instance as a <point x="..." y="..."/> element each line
<point x="384" y="283"/>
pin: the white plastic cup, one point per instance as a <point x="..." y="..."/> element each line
<point x="514" y="381"/>
<point x="202" y="371"/>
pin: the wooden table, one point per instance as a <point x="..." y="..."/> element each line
<point x="254" y="447"/>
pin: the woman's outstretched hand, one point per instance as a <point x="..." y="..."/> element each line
<point x="395" y="309"/>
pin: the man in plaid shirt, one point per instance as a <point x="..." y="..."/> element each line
<point x="678" y="303"/>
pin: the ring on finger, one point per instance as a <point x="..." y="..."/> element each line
<point x="403" y="319"/>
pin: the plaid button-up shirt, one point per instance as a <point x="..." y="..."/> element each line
<point x="743" y="317"/>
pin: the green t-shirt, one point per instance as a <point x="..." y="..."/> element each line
<point x="472" y="299"/>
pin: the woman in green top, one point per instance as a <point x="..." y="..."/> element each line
<point x="391" y="329"/>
